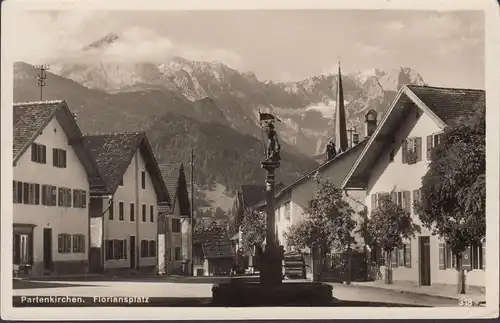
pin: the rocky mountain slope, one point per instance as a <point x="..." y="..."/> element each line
<point x="223" y="156"/>
<point x="228" y="97"/>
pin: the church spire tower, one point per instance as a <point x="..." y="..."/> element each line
<point x="341" y="142"/>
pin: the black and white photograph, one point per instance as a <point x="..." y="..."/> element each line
<point x="285" y="159"/>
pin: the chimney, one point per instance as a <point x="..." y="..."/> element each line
<point x="370" y="122"/>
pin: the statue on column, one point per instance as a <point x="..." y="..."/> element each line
<point x="274" y="147"/>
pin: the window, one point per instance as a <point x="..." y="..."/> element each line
<point x="132" y="212"/>
<point x="144" y="248"/>
<point x="78" y="243"/>
<point x="404" y="255"/>
<point x="111" y="209"/>
<point x="403" y="199"/>
<point x="121" y="213"/>
<point x="177" y="253"/>
<point x="59" y="158"/>
<point x="432" y="142"/>
<point x="18" y="192"/>
<point x="176" y="225"/>
<point x="152" y="248"/>
<point x="116" y="249"/>
<point x="416" y="198"/>
<point x="287" y="211"/>
<point x="412" y="150"/>
<point x="64" y="243"/>
<point x="22" y="249"/>
<point x="143" y="180"/>
<point x="144" y="215"/>
<point x="38" y="153"/>
<point x="64" y="197"/>
<point x="28" y="193"/>
<point x="80" y="198"/>
<point x="49" y="196"/>
<point x="151" y="213"/>
<point x="477" y="255"/>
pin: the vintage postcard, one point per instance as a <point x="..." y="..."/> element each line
<point x="200" y="160"/>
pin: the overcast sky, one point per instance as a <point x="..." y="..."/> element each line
<point x="447" y="49"/>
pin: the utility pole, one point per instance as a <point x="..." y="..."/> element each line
<point x="42" y="78"/>
<point x="192" y="210"/>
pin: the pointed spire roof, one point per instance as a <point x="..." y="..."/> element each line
<point x="340" y="119"/>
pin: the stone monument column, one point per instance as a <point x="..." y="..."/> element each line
<point x="271" y="272"/>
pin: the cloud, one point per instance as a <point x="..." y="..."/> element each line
<point x="371" y="50"/>
<point x="61" y="37"/>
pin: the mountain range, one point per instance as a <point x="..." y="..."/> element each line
<point x="212" y="108"/>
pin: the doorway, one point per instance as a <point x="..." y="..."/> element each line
<point x="425" y="261"/>
<point x="132" y="252"/>
<point x="47" y="249"/>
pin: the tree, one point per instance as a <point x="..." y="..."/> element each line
<point x="388" y="226"/>
<point x="453" y="193"/>
<point x="253" y="231"/>
<point x="328" y="223"/>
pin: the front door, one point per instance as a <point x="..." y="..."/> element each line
<point x="425" y="261"/>
<point x="47" y="249"/>
<point x="132" y="252"/>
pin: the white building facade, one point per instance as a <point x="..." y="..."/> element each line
<point x="394" y="162"/>
<point x="53" y="179"/>
<point x="124" y="217"/>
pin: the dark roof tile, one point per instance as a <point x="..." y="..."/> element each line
<point x="448" y="103"/>
<point x="170" y="173"/>
<point x="29" y="118"/>
<point x="113" y="153"/>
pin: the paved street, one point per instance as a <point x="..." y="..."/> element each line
<point x="171" y="289"/>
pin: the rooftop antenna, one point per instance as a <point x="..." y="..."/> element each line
<point x="42" y="77"/>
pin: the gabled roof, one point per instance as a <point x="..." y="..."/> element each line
<point x="31" y="118"/>
<point x="175" y="181"/>
<point x="442" y="105"/>
<point x="113" y="154"/>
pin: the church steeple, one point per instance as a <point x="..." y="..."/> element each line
<point x="340" y="121"/>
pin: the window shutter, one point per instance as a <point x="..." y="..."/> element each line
<point x="467" y="259"/>
<point x="75" y="243"/>
<point x="68" y="239"/>
<point x="60" y="243"/>
<point x="407" y="201"/>
<point x="401" y="254"/>
<point x="374" y="201"/>
<point x="54" y="157"/>
<point x="37" y="194"/>
<point x="429" y="147"/>
<point x="44" y="154"/>
<point x="14" y="191"/>
<point x="441" y="256"/>
<point x="63" y="158"/>
<point x="75" y="194"/>
<point x="84" y="199"/>
<point x="33" y="152"/>
<point x="408" y="255"/>
<point x="418" y="147"/>
<point x="125" y="249"/>
<point x="26" y="193"/>
<point x="404" y="147"/>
